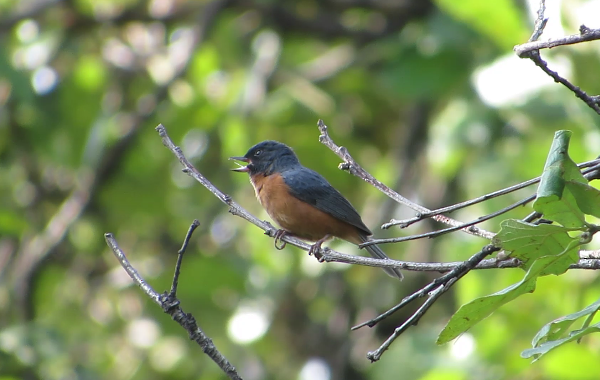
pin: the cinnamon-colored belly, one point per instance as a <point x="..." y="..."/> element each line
<point x="295" y="216"/>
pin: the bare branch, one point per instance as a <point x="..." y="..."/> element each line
<point x="589" y="173"/>
<point x="524" y="50"/>
<point x="540" y="22"/>
<point x="195" y="224"/>
<point x="131" y="271"/>
<point x="532" y="49"/>
<point x="170" y="305"/>
<point x="354" y="168"/>
<point x="330" y="255"/>
<point x="408" y="222"/>
<point x="589" y="260"/>
<point x="442" y="284"/>
<point x="592" y="101"/>
<point x="433" y="291"/>
<point x="462" y="226"/>
<point x="591" y="167"/>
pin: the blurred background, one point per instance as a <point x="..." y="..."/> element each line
<point x="427" y="96"/>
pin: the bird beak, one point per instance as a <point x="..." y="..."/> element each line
<point x="241" y="169"/>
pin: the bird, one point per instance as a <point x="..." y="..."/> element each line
<point x="302" y="202"/>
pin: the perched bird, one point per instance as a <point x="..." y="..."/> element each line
<point x="301" y="201"/>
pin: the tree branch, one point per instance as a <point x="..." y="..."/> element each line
<point x="170" y="305"/>
<point x="408" y="222"/>
<point x="590" y="171"/>
<point x="592" y="101"/>
<point x="532" y="49"/>
<point x="437" y="233"/>
<point x="354" y="168"/>
<point x="330" y="255"/>
<point x="540" y="22"/>
<point x="454" y="270"/>
<point x="433" y="291"/>
<point x="590" y="167"/>
<point x="587" y="34"/>
<point x="195" y="224"/>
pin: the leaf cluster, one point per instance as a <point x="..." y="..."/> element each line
<point x="565" y="198"/>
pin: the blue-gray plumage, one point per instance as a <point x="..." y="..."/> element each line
<point x="301" y="201"/>
<point x="310" y="187"/>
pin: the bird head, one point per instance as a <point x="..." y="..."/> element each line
<point x="267" y="157"/>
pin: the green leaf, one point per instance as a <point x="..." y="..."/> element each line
<point x="562" y="210"/>
<point x="586" y="196"/>
<point x="477" y="310"/>
<point x="553" y="200"/>
<point x="544" y="348"/>
<point x="528" y="242"/>
<point x="558" y="327"/>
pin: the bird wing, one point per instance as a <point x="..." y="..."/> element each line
<point x="310" y="187"/>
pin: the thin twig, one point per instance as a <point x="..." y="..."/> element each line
<point x="455" y="270"/>
<point x="437" y="233"/>
<point x="171" y="307"/>
<point x="443" y="267"/>
<point x="590" y="171"/>
<point x="439" y="286"/>
<point x="433" y="290"/>
<point x="590" y="166"/>
<point x="131" y="271"/>
<point x="540" y="22"/>
<point x="195" y="224"/>
<point x="532" y="48"/>
<point x="354" y="168"/>
<point x="524" y="50"/>
<point x="591" y="101"/>
<point x="329" y="255"/>
<point x="408" y="222"/>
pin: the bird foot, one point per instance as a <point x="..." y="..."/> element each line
<point x="280" y="244"/>
<point x="315" y="249"/>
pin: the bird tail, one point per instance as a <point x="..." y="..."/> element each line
<point x="377" y="253"/>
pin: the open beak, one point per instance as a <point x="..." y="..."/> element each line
<point x="242" y="169"/>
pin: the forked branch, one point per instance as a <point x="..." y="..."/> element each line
<point x="170" y="304"/>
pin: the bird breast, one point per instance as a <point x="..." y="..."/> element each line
<point x="293" y="215"/>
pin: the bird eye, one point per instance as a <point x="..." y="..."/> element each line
<point x="257" y="153"/>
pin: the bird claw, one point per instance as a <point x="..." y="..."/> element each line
<point x="320" y="257"/>
<point x="278" y="236"/>
<point x="315" y="249"/>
